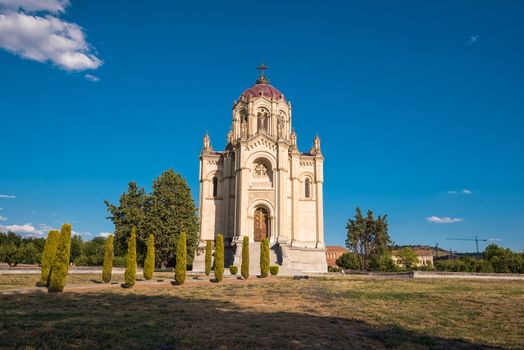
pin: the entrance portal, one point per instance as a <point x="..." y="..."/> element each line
<point x="261" y="224"/>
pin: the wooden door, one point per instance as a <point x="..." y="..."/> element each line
<point x="261" y="224"/>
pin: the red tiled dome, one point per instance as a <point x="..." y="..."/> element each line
<point x="265" y="90"/>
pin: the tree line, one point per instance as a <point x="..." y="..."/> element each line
<point x="370" y="249"/>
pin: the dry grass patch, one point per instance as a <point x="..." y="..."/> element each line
<point x="272" y="313"/>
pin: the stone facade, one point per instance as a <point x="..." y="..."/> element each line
<point x="425" y="258"/>
<point x="261" y="185"/>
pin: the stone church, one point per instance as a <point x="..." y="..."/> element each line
<point x="262" y="186"/>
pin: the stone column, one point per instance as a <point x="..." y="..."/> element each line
<point x="319" y="182"/>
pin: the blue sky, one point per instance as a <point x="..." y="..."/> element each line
<point x="412" y="100"/>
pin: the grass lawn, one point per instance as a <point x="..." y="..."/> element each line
<point x="345" y="313"/>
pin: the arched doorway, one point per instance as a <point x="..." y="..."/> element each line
<point x="261" y="226"/>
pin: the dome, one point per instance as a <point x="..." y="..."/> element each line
<point x="265" y="90"/>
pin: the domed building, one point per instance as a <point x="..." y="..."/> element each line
<point x="262" y="186"/>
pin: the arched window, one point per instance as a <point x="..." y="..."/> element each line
<point x="307" y="188"/>
<point x="215" y="186"/>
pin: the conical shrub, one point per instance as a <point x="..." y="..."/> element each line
<point x="130" y="274"/>
<point x="61" y="262"/>
<point x="208" y="257"/>
<point x="149" y="263"/>
<point x="264" y="258"/>
<point x="48" y="256"/>
<point x="219" y="258"/>
<point x="181" y="259"/>
<point x="244" y="269"/>
<point x="107" y="269"/>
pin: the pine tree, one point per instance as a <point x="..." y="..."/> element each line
<point x="108" y="260"/>
<point x="244" y="269"/>
<point x="264" y="258"/>
<point x="48" y="257"/>
<point x="219" y="258"/>
<point x="149" y="263"/>
<point x="61" y="262"/>
<point x="208" y="257"/>
<point x="181" y="259"/>
<point x="130" y="274"/>
<point x="172" y="211"/>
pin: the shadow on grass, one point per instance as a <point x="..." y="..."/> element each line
<point x="135" y="321"/>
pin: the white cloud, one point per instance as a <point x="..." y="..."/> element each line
<point x="3" y="218"/>
<point x="53" y="6"/>
<point x="25" y="228"/>
<point x="45" y="38"/>
<point x="452" y="192"/>
<point x="92" y="78"/>
<point x="7" y="196"/>
<point x="443" y="220"/>
<point x="105" y="234"/>
<point x="1" y="208"/>
<point x="466" y="191"/>
<point x="473" y="39"/>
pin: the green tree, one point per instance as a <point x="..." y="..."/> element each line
<point x="367" y="237"/>
<point x="48" y="257"/>
<point x="209" y="252"/>
<point x="172" y="211"/>
<point x="264" y="258"/>
<point x="76" y="248"/>
<point x="130" y="212"/>
<point x="383" y="262"/>
<point x="219" y="258"/>
<point x="107" y="269"/>
<point x="409" y="257"/>
<point x="149" y="263"/>
<point x="348" y="261"/>
<point x="181" y="259"/>
<point x="61" y="261"/>
<point x="244" y="269"/>
<point x="130" y="274"/>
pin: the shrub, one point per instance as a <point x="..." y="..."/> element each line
<point x="219" y="258"/>
<point x="130" y="274"/>
<point x="61" y="261"/>
<point x="233" y="270"/>
<point x="149" y="263"/>
<point x="273" y="269"/>
<point x="108" y="260"/>
<point x="48" y="257"/>
<point x="181" y="259"/>
<point x="348" y="261"/>
<point x="264" y="258"/>
<point x="334" y="269"/>
<point x="245" y="258"/>
<point x="208" y="257"/>
<point x="119" y="261"/>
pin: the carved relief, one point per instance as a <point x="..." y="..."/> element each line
<point x="256" y="195"/>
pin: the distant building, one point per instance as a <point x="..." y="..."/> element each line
<point x="425" y="257"/>
<point x="334" y="252"/>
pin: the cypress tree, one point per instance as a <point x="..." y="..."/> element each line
<point x="219" y="258"/>
<point x="48" y="257"/>
<point x="181" y="259"/>
<point x="130" y="274"/>
<point x="264" y="258"/>
<point x="245" y="258"/>
<point x="149" y="263"/>
<point x="108" y="260"/>
<point x="208" y="257"/>
<point x="61" y="262"/>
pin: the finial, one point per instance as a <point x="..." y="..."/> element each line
<point x="316" y="146"/>
<point x="207" y="143"/>
<point x="262" y="78"/>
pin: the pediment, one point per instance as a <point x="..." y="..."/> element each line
<point x="261" y="141"/>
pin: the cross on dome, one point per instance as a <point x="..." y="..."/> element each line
<point x="262" y="78"/>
